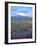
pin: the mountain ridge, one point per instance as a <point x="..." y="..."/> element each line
<point x="20" y="17"/>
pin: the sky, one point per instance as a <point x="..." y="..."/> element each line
<point x="15" y="10"/>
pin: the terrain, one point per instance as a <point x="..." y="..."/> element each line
<point x="21" y="27"/>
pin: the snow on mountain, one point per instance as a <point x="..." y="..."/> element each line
<point x="24" y="14"/>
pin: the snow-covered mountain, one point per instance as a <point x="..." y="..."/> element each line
<point x="21" y="16"/>
<point x="24" y="14"/>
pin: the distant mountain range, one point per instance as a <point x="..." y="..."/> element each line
<point x="20" y="17"/>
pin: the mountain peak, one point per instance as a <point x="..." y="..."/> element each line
<point x="24" y="14"/>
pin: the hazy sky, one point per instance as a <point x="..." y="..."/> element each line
<point x="17" y="9"/>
